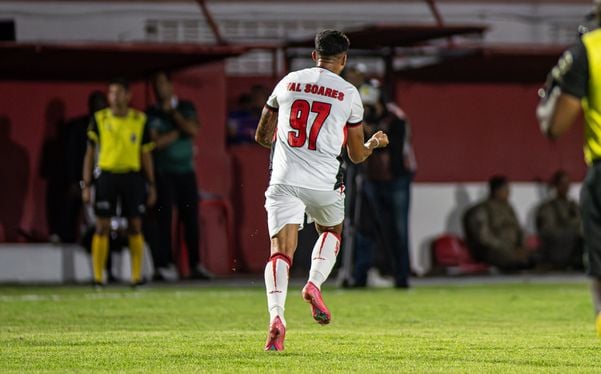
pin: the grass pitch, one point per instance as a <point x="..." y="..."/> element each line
<point x="457" y="328"/>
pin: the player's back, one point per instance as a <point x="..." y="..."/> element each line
<point x="314" y="107"/>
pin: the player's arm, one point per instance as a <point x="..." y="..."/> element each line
<point x="269" y="116"/>
<point x="148" y="168"/>
<point x="566" y="85"/>
<point x="567" y="110"/>
<point x="88" y="160"/>
<point x="163" y="140"/>
<point x="357" y="150"/>
<point x="88" y="168"/>
<point x="266" y="127"/>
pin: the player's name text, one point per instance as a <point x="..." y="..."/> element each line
<point x="316" y="89"/>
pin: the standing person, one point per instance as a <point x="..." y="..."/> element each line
<point x="76" y="147"/>
<point x="386" y="190"/>
<point x="122" y="139"/>
<point x="174" y="125"/>
<point x="574" y="86"/>
<point x="314" y="110"/>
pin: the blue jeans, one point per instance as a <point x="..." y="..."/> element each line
<point x="389" y="204"/>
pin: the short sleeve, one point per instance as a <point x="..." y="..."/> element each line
<point x="356" y="117"/>
<point x="571" y="72"/>
<point x="93" y="131"/>
<point x="272" y="101"/>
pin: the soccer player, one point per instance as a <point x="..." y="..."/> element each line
<point x="306" y="121"/>
<point x="574" y="85"/>
<point x="122" y="138"/>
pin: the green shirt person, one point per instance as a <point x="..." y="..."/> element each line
<point x="174" y="126"/>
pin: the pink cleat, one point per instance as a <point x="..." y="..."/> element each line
<point x="275" y="338"/>
<point x="320" y="311"/>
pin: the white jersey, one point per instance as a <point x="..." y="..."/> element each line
<point x="314" y="108"/>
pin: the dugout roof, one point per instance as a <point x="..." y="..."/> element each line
<point x="103" y="61"/>
<point x="387" y="35"/>
<point x="491" y="64"/>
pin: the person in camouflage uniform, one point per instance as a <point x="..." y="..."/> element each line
<point x="559" y="227"/>
<point x="493" y="233"/>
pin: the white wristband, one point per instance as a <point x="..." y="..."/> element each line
<point x="546" y="108"/>
<point x="370" y="141"/>
<point x="377" y="141"/>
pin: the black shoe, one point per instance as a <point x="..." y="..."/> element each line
<point x="402" y="285"/>
<point x="98" y="286"/>
<point x="200" y="273"/>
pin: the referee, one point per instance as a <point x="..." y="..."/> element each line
<point x="574" y="86"/>
<point x="120" y="136"/>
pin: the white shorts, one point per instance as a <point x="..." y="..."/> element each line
<point x="288" y="205"/>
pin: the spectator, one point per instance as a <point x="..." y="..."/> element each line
<point x="558" y="226"/>
<point x="174" y="125"/>
<point x="120" y="163"/>
<point x="493" y="233"/>
<point x="242" y="122"/>
<point x="386" y="190"/>
<point x="353" y="183"/>
<point x="76" y="144"/>
<point x="356" y="75"/>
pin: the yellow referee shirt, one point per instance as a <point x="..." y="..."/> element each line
<point x="121" y="140"/>
<point x="591" y="103"/>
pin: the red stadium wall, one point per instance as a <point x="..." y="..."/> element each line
<point x="461" y="133"/>
<point x="468" y="132"/>
<point x="32" y="110"/>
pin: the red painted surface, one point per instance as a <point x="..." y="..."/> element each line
<point x="32" y="111"/>
<point x="461" y="133"/>
<point x="250" y="165"/>
<point x="468" y="132"/>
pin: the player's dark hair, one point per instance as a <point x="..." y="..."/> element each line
<point x="331" y="43"/>
<point x="121" y="82"/>
<point x="496" y="182"/>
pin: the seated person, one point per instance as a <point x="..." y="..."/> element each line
<point x="492" y="231"/>
<point x="558" y="227"/>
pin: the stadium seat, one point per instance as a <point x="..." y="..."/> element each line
<point x="451" y="255"/>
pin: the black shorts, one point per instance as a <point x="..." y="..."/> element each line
<point x="126" y="190"/>
<point x="590" y="206"/>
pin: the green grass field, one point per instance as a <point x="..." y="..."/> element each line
<point x="458" y="328"/>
